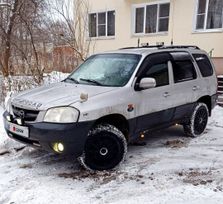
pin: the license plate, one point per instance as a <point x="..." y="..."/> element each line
<point x="18" y="130"/>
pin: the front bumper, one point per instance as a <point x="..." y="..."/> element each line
<point x="43" y="135"/>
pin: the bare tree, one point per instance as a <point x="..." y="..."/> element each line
<point x="23" y="39"/>
<point x="22" y="30"/>
<point x="24" y="33"/>
<point x="36" y="38"/>
<point x="70" y="19"/>
<point x="8" y="20"/>
<point x="28" y="31"/>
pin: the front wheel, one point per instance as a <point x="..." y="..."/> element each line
<point x="105" y="148"/>
<point x="198" y="121"/>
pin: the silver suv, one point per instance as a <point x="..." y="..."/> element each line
<point x="112" y="99"/>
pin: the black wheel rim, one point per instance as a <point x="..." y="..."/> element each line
<point x="103" y="152"/>
<point x="200" y="121"/>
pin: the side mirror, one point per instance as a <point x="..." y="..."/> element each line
<point x="147" y="83"/>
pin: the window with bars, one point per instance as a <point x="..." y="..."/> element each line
<point x="102" y="24"/>
<point x="209" y="14"/>
<point x="152" y="18"/>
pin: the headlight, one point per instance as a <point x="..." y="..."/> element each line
<point x="61" y="115"/>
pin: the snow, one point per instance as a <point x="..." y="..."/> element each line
<point x="3" y="137"/>
<point x="21" y="83"/>
<point x="169" y="169"/>
<point x="54" y="77"/>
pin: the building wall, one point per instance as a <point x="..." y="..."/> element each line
<point x="181" y="24"/>
<point x="218" y="62"/>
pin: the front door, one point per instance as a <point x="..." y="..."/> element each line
<point x="154" y="105"/>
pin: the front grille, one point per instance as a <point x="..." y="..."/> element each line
<point x="27" y="115"/>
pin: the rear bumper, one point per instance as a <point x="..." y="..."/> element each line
<point x="44" y="135"/>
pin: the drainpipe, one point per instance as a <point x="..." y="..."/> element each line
<point x="173" y="13"/>
<point x="138" y="42"/>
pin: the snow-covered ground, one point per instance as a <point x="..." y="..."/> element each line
<point x="169" y="169"/>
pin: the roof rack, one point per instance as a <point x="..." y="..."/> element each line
<point x="164" y="47"/>
<point x="180" y="47"/>
<point x="143" y="46"/>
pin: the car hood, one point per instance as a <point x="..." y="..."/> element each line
<point x="58" y="94"/>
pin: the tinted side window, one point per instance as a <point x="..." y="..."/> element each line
<point x="204" y="65"/>
<point x="160" y="73"/>
<point x="183" y="71"/>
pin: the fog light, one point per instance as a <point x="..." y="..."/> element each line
<point x="58" y="147"/>
<point x="142" y="136"/>
<point x="9" y="118"/>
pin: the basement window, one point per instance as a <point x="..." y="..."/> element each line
<point x="151" y="18"/>
<point x="102" y="24"/>
<point x="209" y="14"/>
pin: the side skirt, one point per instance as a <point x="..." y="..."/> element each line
<point x="158" y="120"/>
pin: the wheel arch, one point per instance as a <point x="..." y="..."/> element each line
<point x="207" y="101"/>
<point x="117" y="120"/>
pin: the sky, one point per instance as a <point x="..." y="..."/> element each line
<point x="67" y="8"/>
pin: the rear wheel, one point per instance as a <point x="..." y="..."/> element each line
<point x="198" y="121"/>
<point x="105" y="148"/>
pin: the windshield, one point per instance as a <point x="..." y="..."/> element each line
<point x="106" y="70"/>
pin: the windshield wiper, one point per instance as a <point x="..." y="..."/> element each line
<point x="92" y="81"/>
<point x="72" y="79"/>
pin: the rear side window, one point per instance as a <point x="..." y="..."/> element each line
<point x="160" y="73"/>
<point x="204" y="64"/>
<point x="183" y="70"/>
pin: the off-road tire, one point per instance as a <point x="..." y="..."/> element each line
<point x="198" y="121"/>
<point x="105" y="148"/>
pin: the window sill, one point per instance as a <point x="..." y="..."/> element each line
<point x="208" y="31"/>
<point x="149" y="34"/>
<point x="101" y="38"/>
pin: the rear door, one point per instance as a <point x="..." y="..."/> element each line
<point x="186" y="84"/>
<point x="208" y="79"/>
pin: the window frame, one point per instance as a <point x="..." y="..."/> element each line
<point x="185" y="80"/>
<point x="199" y="68"/>
<point x="98" y="25"/>
<point x="106" y="36"/>
<point x="140" y="73"/>
<point x="144" y="5"/>
<point x="168" y="74"/>
<point x="205" y="29"/>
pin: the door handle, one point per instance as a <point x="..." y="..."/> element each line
<point x="166" y="94"/>
<point x="195" y="88"/>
